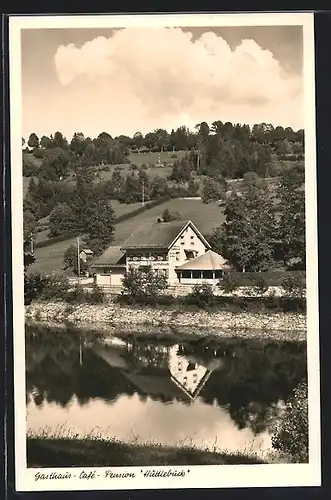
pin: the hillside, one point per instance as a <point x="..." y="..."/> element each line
<point x="205" y="216"/>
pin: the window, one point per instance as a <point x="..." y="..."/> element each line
<point x="196" y="274"/>
<point x="185" y="381"/>
<point x="143" y="268"/>
<point x="180" y="366"/>
<point x="186" y="274"/>
<point x="195" y="378"/>
<point x="208" y="275"/>
<point x="177" y="255"/>
<point x="218" y="274"/>
<point x="189" y="254"/>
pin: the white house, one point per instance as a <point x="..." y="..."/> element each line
<point x="159" y="370"/>
<point x="166" y="247"/>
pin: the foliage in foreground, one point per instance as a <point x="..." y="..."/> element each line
<point x="291" y="436"/>
<point x="57" y="287"/>
<point x="92" y="451"/>
<point x="143" y="286"/>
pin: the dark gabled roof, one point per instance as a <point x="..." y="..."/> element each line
<point x="158" y="235"/>
<point x="113" y="256"/>
<point x="161" y="385"/>
<point x="209" y="261"/>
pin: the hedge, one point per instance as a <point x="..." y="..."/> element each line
<point x="271" y="278"/>
<point x="120" y="218"/>
<point x="56" y="239"/>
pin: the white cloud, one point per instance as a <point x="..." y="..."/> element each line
<point x="141" y="79"/>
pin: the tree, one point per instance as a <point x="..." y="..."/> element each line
<point x="60" y="141"/>
<point x="70" y="261"/>
<point x="215" y="240"/>
<point x="143" y="286"/>
<point x="29" y="225"/>
<point x="46" y="142"/>
<point x="56" y="167"/>
<point x="158" y="187"/>
<point x="61" y="220"/>
<point x="77" y="144"/>
<point x="168" y="216"/>
<point x="138" y="140"/>
<point x="250" y="228"/>
<point x="291" y="435"/>
<point x="181" y="171"/>
<point x="99" y="232"/>
<point x="33" y="141"/>
<point x="213" y="190"/>
<point x="291" y="223"/>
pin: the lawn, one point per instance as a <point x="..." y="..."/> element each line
<point x="205" y="216"/>
<point x="147" y="158"/>
<point x="62" y="452"/>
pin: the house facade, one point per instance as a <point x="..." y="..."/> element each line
<point x="163" y="246"/>
<point x="159" y="370"/>
<point x="166" y="247"/>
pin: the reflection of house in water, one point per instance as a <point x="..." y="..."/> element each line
<point x="159" y="370"/>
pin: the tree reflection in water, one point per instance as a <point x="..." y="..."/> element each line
<point x="247" y="377"/>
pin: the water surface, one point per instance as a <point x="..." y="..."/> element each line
<point x="220" y="394"/>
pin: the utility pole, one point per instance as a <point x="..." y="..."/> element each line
<point x="143" y="193"/>
<point x="32" y="242"/>
<point x="78" y="259"/>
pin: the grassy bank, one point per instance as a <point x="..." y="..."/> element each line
<point x="66" y="452"/>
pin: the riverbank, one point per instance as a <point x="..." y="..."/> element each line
<point x="115" y="318"/>
<point x="66" y="452"/>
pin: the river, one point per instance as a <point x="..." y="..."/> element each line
<point x="220" y="394"/>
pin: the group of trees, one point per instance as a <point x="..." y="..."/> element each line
<point x="160" y="139"/>
<point x="223" y="149"/>
<point x="264" y="224"/>
<point x="81" y="210"/>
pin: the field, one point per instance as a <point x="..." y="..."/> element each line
<point x="205" y="216"/>
<point x="147" y="158"/>
<point x="119" y="208"/>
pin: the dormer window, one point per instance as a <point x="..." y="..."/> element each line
<point x="189" y="254"/>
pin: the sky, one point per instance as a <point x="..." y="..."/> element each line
<point x="136" y="79"/>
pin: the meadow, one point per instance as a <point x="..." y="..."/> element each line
<point x="205" y="216"/>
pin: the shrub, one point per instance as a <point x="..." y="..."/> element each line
<point x="80" y="295"/>
<point x="293" y="285"/>
<point x="38" y="286"/>
<point x="201" y="296"/>
<point x="291" y="434"/>
<point x="261" y="285"/>
<point x="144" y="286"/>
<point x="230" y="283"/>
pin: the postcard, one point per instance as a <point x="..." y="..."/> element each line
<point x="165" y="303"/>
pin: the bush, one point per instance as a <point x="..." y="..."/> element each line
<point x="38" y="286"/>
<point x="291" y="434"/>
<point x="80" y="295"/>
<point x="261" y="285"/>
<point x="230" y="283"/>
<point x="144" y="286"/>
<point x="293" y="285"/>
<point x="201" y="296"/>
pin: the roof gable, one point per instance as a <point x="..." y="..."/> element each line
<point x="159" y="235"/>
<point x="209" y="261"/>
